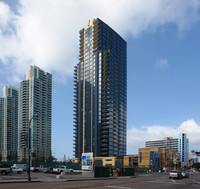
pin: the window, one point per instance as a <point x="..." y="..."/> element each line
<point x="140" y="157"/>
<point x="130" y="161"/>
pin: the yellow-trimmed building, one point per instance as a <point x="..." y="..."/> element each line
<point x="156" y="157"/>
<point x="75" y="160"/>
<point x="131" y="160"/>
<point x="107" y="161"/>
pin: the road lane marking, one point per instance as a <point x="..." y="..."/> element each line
<point x="173" y="180"/>
<point x="166" y="182"/>
<point x="196" y="181"/>
<point x="121" y="187"/>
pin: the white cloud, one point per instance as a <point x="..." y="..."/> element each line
<point x="5" y="15"/>
<point x="161" y="64"/>
<point x="137" y="137"/>
<point x="46" y="33"/>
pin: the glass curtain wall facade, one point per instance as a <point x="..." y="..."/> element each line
<point x="100" y="92"/>
<point x="9" y="123"/>
<point x="183" y="145"/>
<point x="154" y="158"/>
<point x="35" y="98"/>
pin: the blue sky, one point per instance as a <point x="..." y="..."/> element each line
<point x="163" y="41"/>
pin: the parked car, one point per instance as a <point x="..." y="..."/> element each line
<point x="34" y="169"/>
<point x="5" y="169"/>
<point x="185" y="174"/>
<point x="17" y="170"/>
<point x="61" y="169"/>
<point x="48" y="170"/>
<point x="22" y="166"/>
<point x="41" y="168"/>
<point x="176" y="174"/>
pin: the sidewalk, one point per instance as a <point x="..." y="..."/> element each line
<point x="18" y="181"/>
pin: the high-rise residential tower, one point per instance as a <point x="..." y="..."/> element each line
<point x="35" y="99"/>
<point x="100" y="92"/>
<point x="183" y="147"/>
<point x="9" y="123"/>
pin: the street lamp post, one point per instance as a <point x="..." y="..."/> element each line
<point x="29" y="147"/>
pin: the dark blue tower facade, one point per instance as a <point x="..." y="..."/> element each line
<point x="100" y="92"/>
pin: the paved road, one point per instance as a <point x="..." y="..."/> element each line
<point x="150" y="181"/>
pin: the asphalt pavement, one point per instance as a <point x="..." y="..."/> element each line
<point x="150" y="181"/>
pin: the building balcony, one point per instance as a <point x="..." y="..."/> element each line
<point x="103" y="117"/>
<point x="104" y="149"/>
<point x="81" y="51"/>
<point x="104" y="120"/>
<point x="81" y="40"/>
<point x="75" y="128"/>
<point x="105" y="132"/>
<point x="105" y="98"/>
<point x="96" y="38"/>
<point x="105" y="141"/>
<point x="95" y="44"/>
<point x="105" y="127"/>
<point x="105" y="154"/>
<point x="81" y="55"/>
<point x="104" y="145"/>
<point x="96" y="22"/>
<point x="105" y="110"/>
<point x="96" y="26"/>
<point x="105" y="123"/>
<point x="104" y="136"/>
<point x="75" y="103"/>
<point x="81" y="47"/>
<point x="75" y="136"/>
<point x="81" y="32"/>
<point x="94" y="50"/>
<point x="104" y="106"/>
<point x="81" y="58"/>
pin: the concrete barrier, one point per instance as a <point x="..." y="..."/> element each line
<point x="76" y="174"/>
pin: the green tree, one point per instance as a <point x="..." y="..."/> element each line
<point x="196" y="153"/>
<point x="42" y="159"/>
<point x="34" y="156"/>
<point x="9" y="157"/>
<point x="24" y="160"/>
<point x="51" y="159"/>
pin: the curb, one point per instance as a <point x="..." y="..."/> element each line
<point x="86" y="179"/>
<point x="18" y="181"/>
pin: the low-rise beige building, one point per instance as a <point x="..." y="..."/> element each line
<point x="131" y="160"/>
<point x="107" y="161"/>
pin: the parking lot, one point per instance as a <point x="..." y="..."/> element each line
<point x="38" y="176"/>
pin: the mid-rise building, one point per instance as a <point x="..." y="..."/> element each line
<point x="9" y="123"/>
<point x="180" y="145"/>
<point x="183" y="147"/>
<point x="35" y="100"/>
<point x="157" y="157"/>
<point x="100" y="92"/>
<point x="167" y="143"/>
